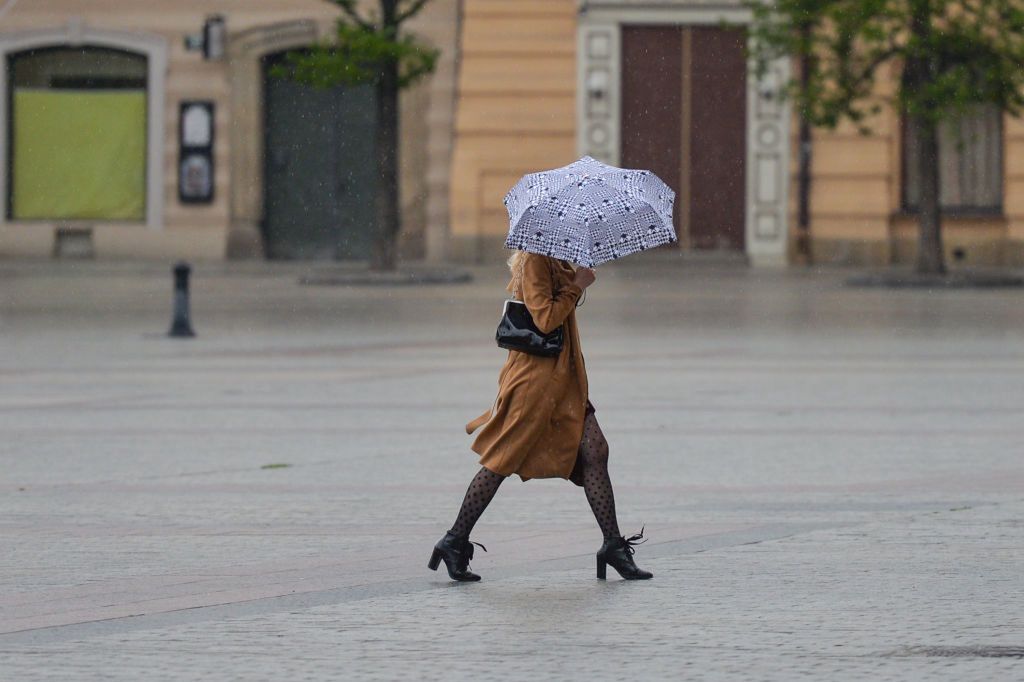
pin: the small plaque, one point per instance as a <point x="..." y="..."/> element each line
<point x="196" y="125"/>
<point x="196" y="181"/>
<point x="195" y="152"/>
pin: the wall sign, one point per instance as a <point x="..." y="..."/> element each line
<point x="195" y="152"/>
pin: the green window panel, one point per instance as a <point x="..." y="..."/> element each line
<point x="79" y="154"/>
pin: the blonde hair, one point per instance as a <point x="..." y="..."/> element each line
<point x="515" y="266"/>
<point x="515" y="261"/>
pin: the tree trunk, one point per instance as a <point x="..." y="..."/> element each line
<point x="920" y="71"/>
<point x="803" y="234"/>
<point x="389" y="220"/>
<point x="930" y="256"/>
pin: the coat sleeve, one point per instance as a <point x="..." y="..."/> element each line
<point x="549" y="308"/>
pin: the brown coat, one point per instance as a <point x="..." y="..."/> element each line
<point x="537" y="420"/>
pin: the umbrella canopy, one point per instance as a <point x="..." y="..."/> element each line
<point x="589" y="212"/>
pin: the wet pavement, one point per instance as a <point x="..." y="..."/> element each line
<point x="830" y="478"/>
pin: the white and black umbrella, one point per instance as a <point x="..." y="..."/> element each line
<point x="589" y="212"/>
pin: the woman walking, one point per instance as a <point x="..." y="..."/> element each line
<point x="542" y="424"/>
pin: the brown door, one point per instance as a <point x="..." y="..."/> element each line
<point x="718" y="138"/>
<point x="684" y="117"/>
<point x="652" y="68"/>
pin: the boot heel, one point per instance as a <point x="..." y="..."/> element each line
<point x="435" y="560"/>
<point x="602" y="566"/>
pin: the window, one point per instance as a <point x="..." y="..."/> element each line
<point x="970" y="164"/>
<point x="77" y="134"/>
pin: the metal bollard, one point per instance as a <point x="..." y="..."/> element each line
<point x="181" y="326"/>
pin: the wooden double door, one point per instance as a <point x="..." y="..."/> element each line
<point x="684" y="117"/>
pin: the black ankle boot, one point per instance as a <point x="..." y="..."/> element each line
<point x="618" y="552"/>
<point x="456" y="552"/>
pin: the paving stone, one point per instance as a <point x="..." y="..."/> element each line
<point x="830" y="478"/>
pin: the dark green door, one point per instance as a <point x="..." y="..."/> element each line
<point x="319" y="171"/>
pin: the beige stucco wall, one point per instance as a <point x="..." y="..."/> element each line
<point x="428" y="113"/>
<point x="1013" y="190"/>
<point x="854" y="189"/>
<point x="516" y="111"/>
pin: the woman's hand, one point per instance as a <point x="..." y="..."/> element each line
<point x="584" y="277"/>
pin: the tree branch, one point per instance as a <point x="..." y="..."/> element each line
<point x="349" y="8"/>
<point x="867" y="72"/>
<point x="414" y="9"/>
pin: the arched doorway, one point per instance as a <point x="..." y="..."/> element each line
<point x="77" y="134"/>
<point x="318" y="169"/>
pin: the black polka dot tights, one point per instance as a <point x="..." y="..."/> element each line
<point x="593" y="455"/>
<point x="592" y="466"/>
<point x="481" y="490"/>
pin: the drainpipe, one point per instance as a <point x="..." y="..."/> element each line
<point x="803" y="235"/>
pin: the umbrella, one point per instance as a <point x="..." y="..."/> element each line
<point x="589" y="212"/>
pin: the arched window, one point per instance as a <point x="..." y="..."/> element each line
<point x="77" y="134"/>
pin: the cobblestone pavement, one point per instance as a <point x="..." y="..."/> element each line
<point x="852" y="603"/>
<point x="831" y="480"/>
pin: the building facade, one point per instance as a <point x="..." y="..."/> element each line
<point x="208" y="156"/>
<point x="202" y="154"/>
<point x="663" y="84"/>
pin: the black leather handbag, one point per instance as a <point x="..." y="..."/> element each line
<point x="516" y="331"/>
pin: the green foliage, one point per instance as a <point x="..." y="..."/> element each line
<point x="359" y="53"/>
<point x="947" y="55"/>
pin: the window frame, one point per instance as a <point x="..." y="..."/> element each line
<point x="8" y="65"/>
<point x="155" y="46"/>
<point x="964" y="210"/>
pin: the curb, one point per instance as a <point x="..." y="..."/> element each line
<point x="404" y="277"/>
<point x="954" y="280"/>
